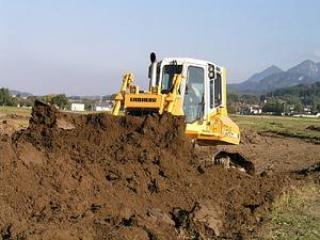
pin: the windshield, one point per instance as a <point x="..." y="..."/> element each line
<point x="168" y="72"/>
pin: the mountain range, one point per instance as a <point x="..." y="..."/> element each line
<point x="274" y="78"/>
<point x="19" y="93"/>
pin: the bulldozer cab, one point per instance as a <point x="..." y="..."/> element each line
<point x="201" y="90"/>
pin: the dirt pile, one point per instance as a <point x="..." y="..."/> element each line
<point x="103" y="177"/>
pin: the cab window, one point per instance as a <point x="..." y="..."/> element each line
<point x="193" y="105"/>
<point x="211" y="93"/>
<point x="168" y="72"/>
<point x="218" y="90"/>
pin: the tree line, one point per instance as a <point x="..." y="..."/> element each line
<point x="6" y="99"/>
<point x="59" y="100"/>
<point x="287" y="100"/>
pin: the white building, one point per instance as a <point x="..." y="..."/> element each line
<point x="78" y="107"/>
<point x="103" y="106"/>
<point x="255" y="110"/>
<point x="99" y="108"/>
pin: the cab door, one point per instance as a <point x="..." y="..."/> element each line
<point x="194" y="95"/>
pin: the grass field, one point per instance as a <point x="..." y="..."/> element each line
<point x="295" y="215"/>
<point x="15" y="110"/>
<point x="285" y="126"/>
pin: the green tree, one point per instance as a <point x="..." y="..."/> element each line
<point x="88" y="104"/>
<point x="316" y="104"/>
<point x="275" y="106"/>
<point x="232" y="100"/>
<point x="250" y="99"/>
<point x="295" y="102"/>
<point x="5" y="97"/>
<point x="60" y="100"/>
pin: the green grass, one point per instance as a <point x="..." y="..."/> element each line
<point x="285" y="126"/>
<point x="15" y="110"/>
<point x="295" y="215"/>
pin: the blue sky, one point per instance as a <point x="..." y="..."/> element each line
<point x="84" y="47"/>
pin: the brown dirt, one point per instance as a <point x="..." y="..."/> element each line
<point x="102" y="177"/>
<point x="274" y="153"/>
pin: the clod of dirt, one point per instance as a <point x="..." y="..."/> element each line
<point x="43" y="114"/>
<point x="313" y="127"/>
<point x="5" y="233"/>
<point x="310" y="170"/>
<point x="210" y="217"/>
<point x="181" y="218"/>
<point x="158" y="216"/>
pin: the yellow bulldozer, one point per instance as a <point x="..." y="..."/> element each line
<point x="195" y="89"/>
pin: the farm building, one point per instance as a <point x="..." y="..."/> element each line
<point x="78" y="107"/>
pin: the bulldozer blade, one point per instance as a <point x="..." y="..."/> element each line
<point x="233" y="160"/>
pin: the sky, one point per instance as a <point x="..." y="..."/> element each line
<point x="83" y="47"/>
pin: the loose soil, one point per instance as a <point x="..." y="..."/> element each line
<point x="275" y="153"/>
<point x="97" y="176"/>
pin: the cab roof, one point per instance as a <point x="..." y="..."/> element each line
<point x="181" y="60"/>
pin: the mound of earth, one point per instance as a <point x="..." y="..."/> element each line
<point x="103" y="177"/>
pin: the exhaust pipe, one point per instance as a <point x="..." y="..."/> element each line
<point x="153" y="71"/>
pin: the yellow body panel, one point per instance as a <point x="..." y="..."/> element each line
<point x="216" y="131"/>
<point x="143" y="100"/>
<point x="153" y="101"/>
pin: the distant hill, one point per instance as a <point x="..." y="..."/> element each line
<point x="282" y="80"/>
<point x="274" y="78"/>
<point x="308" y="68"/>
<point x="19" y="93"/>
<point x="265" y="73"/>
